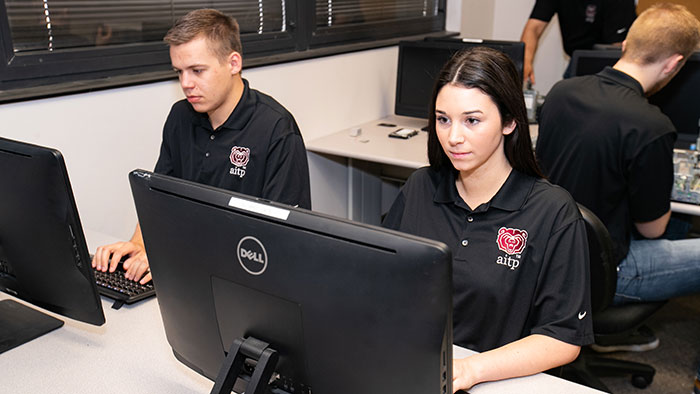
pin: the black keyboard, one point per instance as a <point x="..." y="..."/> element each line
<point x="124" y="291"/>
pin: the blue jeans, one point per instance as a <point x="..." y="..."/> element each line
<point x="658" y="269"/>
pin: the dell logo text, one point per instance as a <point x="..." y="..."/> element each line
<point x="252" y="255"/>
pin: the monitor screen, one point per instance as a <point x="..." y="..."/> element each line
<point x="678" y="99"/>
<point x="591" y="61"/>
<point x="43" y="255"/>
<point x="421" y="61"/>
<point x="350" y="308"/>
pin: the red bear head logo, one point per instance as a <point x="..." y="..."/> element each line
<point x="511" y="240"/>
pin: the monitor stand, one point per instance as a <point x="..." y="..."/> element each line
<point x="20" y="324"/>
<point x="234" y="364"/>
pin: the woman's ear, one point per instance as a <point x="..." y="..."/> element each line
<point x="507" y="129"/>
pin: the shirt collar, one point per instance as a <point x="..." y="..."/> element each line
<point x="239" y="117"/>
<point x="621" y="78"/>
<point x="244" y="109"/>
<point x="510" y="197"/>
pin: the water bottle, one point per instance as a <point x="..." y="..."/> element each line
<point x="530" y="96"/>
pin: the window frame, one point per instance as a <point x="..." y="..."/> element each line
<point x="64" y="71"/>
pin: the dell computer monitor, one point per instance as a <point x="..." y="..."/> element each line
<point x="678" y="99"/>
<point x="350" y="308"/>
<point x="43" y="256"/>
<point x="421" y="61"/>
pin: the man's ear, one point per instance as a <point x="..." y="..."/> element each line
<point x="624" y="45"/>
<point x="673" y="63"/>
<point x="235" y="62"/>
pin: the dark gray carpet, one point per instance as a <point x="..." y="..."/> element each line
<point x="677" y="325"/>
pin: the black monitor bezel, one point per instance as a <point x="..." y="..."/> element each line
<point x="610" y="55"/>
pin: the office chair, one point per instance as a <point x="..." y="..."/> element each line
<point x="608" y="319"/>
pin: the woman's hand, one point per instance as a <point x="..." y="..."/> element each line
<point x="462" y="376"/>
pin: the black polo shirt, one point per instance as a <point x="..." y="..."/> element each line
<point x="587" y="22"/>
<point x="601" y="140"/>
<point x="520" y="261"/>
<point x="258" y="151"/>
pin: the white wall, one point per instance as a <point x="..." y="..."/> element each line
<point x="332" y="93"/>
<point x="453" y="15"/>
<point x="477" y="18"/>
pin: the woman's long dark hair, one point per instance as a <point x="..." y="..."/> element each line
<point x="493" y="73"/>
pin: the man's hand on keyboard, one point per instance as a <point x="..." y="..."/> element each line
<point x="135" y="264"/>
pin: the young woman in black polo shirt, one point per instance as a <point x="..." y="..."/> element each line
<point x="519" y="248"/>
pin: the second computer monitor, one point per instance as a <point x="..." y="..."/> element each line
<point x="43" y="255"/>
<point x="421" y="61"/>
<point x="350" y="308"/>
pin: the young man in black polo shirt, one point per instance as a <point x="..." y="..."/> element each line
<point x="223" y="134"/>
<point x="601" y="140"/>
<point x="583" y="23"/>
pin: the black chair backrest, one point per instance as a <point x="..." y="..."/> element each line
<point x="602" y="261"/>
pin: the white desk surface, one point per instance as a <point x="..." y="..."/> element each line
<point x="130" y="354"/>
<point x="373" y="144"/>
<point x="681" y="207"/>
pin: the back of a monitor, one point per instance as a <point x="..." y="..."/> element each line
<point x="43" y="253"/>
<point x="350" y="308"/>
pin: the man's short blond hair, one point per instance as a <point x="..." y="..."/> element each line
<point x="221" y="30"/>
<point x="662" y="31"/>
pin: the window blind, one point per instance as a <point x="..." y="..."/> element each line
<point x="47" y="25"/>
<point x="331" y="13"/>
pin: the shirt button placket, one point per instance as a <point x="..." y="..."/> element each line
<point x="465" y="240"/>
<point x="211" y="138"/>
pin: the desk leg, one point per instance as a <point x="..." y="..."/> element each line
<point x="355" y="189"/>
<point x="329" y="184"/>
<point x="364" y="191"/>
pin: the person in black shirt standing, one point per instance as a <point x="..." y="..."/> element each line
<point x="223" y="134"/>
<point x="601" y="140"/>
<point x="520" y="255"/>
<point x="583" y="23"/>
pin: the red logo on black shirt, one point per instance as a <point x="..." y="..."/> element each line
<point x="240" y="156"/>
<point x="511" y="240"/>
